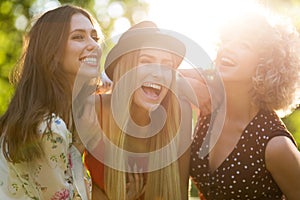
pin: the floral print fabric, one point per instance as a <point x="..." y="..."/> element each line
<point x="48" y="178"/>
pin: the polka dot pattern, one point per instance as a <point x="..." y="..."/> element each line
<point x="243" y="174"/>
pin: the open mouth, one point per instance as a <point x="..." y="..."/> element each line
<point x="90" y="60"/>
<point x="225" y="61"/>
<point x="152" y="89"/>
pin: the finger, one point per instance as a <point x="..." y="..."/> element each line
<point x="143" y="190"/>
<point x="141" y="178"/>
<point x="130" y="178"/>
<point x="137" y="183"/>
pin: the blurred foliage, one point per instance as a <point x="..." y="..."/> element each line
<point x="293" y="123"/>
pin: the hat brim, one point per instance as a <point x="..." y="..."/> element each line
<point x="153" y="40"/>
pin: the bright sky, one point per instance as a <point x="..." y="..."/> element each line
<point x="197" y="19"/>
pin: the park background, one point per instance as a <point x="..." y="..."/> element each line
<point x="197" y="19"/>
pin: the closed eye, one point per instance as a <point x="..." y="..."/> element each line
<point x="77" y="37"/>
<point x="245" y="45"/>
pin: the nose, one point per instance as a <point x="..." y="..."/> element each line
<point x="92" y="44"/>
<point x="157" y="70"/>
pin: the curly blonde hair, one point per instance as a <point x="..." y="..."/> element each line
<point x="276" y="82"/>
<point x="277" y="75"/>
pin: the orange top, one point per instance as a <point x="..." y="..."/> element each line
<point x="96" y="169"/>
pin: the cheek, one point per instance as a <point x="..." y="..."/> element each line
<point x="138" y="99"/>
<point x="252" y="66"/>
<point x="70" y="65"/>
<point x="168" y="77"/>
<point x="141" y="73"/>
<point x="164" y="92"/>
<point x="249" y="62"/>
<point x="71" y="58"/>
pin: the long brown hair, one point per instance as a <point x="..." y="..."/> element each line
<point x="41" y="86"/>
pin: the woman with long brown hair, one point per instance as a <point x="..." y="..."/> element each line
<point x="39" y="144"/>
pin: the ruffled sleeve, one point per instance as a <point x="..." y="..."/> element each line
<point x="45" y="178"/>
<point x="53" y="172"/>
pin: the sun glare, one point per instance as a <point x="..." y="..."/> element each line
<point x="197" y="19"/>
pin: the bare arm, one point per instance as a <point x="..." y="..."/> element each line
<point x="283" y="161"/>
<point x="204" y="89"/>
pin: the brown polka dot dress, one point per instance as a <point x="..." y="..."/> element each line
<point x="243" y="174"/>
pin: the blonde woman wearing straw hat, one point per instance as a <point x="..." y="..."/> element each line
<point x="146" y="125"/>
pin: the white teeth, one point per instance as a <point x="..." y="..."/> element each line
<point x="90" y="60"/>
<point x="152" y="85"/>
<point x="227" y="61"/>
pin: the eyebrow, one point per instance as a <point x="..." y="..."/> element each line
<point x="83" y="30"/>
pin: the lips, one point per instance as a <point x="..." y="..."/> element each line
<point x="152" y="90"/>
<point x="90" y="60"/>
<point x="227" y="62"/>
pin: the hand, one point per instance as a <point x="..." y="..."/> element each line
<point x="135" y="187"/>
<point x="105" y="85"/>
<point x="196" y="92"/>
<point x="204" y="93"/>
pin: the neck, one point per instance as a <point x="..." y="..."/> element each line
<point x="139" y="115"/>
<point x="239" y="103"/>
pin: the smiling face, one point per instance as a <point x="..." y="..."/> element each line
<point x="241" y="41"/>
<point x="237" y="58"/>
<point x="154" y="73"/>
<point x="82" y="49"/>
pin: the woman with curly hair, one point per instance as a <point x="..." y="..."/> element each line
<point x="252" y="155"/>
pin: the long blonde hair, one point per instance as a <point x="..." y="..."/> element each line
<point x="163" y="183"/>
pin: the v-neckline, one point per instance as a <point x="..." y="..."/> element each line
<point x="212" y="172"/>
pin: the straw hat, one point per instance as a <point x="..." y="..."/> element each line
<point x="143" y="35"/>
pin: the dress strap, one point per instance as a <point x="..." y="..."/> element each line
<point x="100" y="111"/>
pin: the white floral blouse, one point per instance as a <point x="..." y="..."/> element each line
<point x="49" y="178"/>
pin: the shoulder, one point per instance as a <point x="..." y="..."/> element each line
<point x="283" y="162"/>
<point x="281" y="151"/>
<point x="55" y="125"/>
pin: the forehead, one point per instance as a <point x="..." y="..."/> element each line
<point x="79" y="21"/>
<point x="252" y="27"/>
<point x="157" y="53"/>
